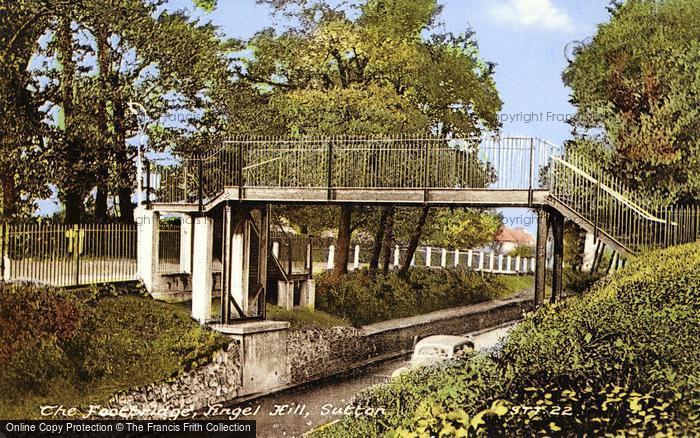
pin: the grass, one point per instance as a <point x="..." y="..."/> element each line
<point x="132" y="341"/>
<point x="300" y="317"/>
<point x="510" y="285"/>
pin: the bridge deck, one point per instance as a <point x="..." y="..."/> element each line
<point x="480" y="198"/>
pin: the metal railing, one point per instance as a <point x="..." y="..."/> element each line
<point x="613" y="210"/>
<point x="68" y="255"/>
<point x="400" y="162"/>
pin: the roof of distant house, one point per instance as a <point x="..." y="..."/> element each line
<point x="518" y="236"/>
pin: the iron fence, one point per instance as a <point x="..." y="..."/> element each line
<point x="169" y="248"/>
<point x="68" y="255"/>
<point x="399" y="162"/>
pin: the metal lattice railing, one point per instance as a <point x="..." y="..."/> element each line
<point x="613" y="210"/>
<point x="400" y="162"/>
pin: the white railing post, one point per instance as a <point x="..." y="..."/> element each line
<point x="428" y="256"/>
<point x="481" y="261"/>
<point x="443" y="258"/>
<point x="508" y="263"/>
<point x="396" y="255"/>
<point x="456" y="258"/>
<point x="331" y="257"/>
<point x="500" y="262"/>
<point x="356" y="261"/>
<point x="276" y="249"/>
<point x="492" y="261"/>
<point x="470" y="257"/>
<point x="517" y="264"/>
<point x="533" y="264"/>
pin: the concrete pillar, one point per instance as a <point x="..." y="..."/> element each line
<point x="276" y="249"/>
<point x="356" y="259"/>
<point x="331" y="257"/>
<point x="240" y="268"/>
<point x="456" y="258"/>
<point x="558" y="248"/>
<point x="428" y="256"/>
<point x="443" y="258"/>
<point x="263" y="354"/>
<point x="541" y="256"/>
<point x="396" y="255"/>
<point x="589" y="250"/>
<point x="201" y="269"/>
<point x="308" y="294"/>
<point x="285" y="294"/>
<point x="186" y="234"/>
<point x="147" y="222"/>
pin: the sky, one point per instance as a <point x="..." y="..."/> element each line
<point x="528" y="40"/>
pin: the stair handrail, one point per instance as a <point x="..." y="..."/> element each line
<point x="615" y="194"/>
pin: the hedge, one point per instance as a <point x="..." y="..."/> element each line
<point x="623" y="359"/>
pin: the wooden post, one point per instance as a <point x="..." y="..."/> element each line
<point x="264" y="247"/>
<point x="557" y="271"/>
<point x="541" y="256"/>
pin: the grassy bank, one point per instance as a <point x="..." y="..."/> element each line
<point x="362" y="298"/>
<point x="622" y="359"/>
<point x="59" y="347"/>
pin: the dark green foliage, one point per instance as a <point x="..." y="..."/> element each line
<point x="622" y="359"/>
<point x="363" y="299"/>
<point x="79" y="347"/>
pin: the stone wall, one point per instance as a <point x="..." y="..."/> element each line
<point x="217" y="382"/>
<point x="316" y="353"/>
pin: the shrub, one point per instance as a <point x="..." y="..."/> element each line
<point x="364" y="299"/>
<point x="622" y="359"/>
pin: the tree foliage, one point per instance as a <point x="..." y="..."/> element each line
<point x="637" y="88"/>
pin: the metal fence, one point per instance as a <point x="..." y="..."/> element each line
<point x="68" y="255"/>
<point x="169" y="235"/>
<point x="633" y="222"/>
<point x="400" y="162"/>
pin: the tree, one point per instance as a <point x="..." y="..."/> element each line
<point x="636" y="87"/>
<point x="143" y="53"/>
<point x="366" y="69"/>
<point x="21" y="145"/>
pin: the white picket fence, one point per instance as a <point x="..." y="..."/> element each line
<point x="480" y="261"/>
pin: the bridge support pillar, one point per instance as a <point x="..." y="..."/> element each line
<point x="147" y="222"/>
<point x="201" y="269"/>
<point x="557" y="222"/>
<point x="285" y="294"/>
<point x="308" y="294"/>
<point x="541" y="256"/>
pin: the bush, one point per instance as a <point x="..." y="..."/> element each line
<point x="364" y="299"/>
<point x="622" y="359"/>
<point x="80" y="347"/>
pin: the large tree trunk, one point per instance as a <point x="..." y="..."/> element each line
<point x="101" y="203"/>
<point x="388" y="243"/>
<point x="413" y="243"/>
<point x="379" y="239"/>
<point x="9" y="195"/>
<point x="104" y="63"/>
<point x="71" y="177"/>
<point x="342" y="253"/>
<point x="124" y="164"/>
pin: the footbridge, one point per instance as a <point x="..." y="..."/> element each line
<point x="228" y="193"/>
